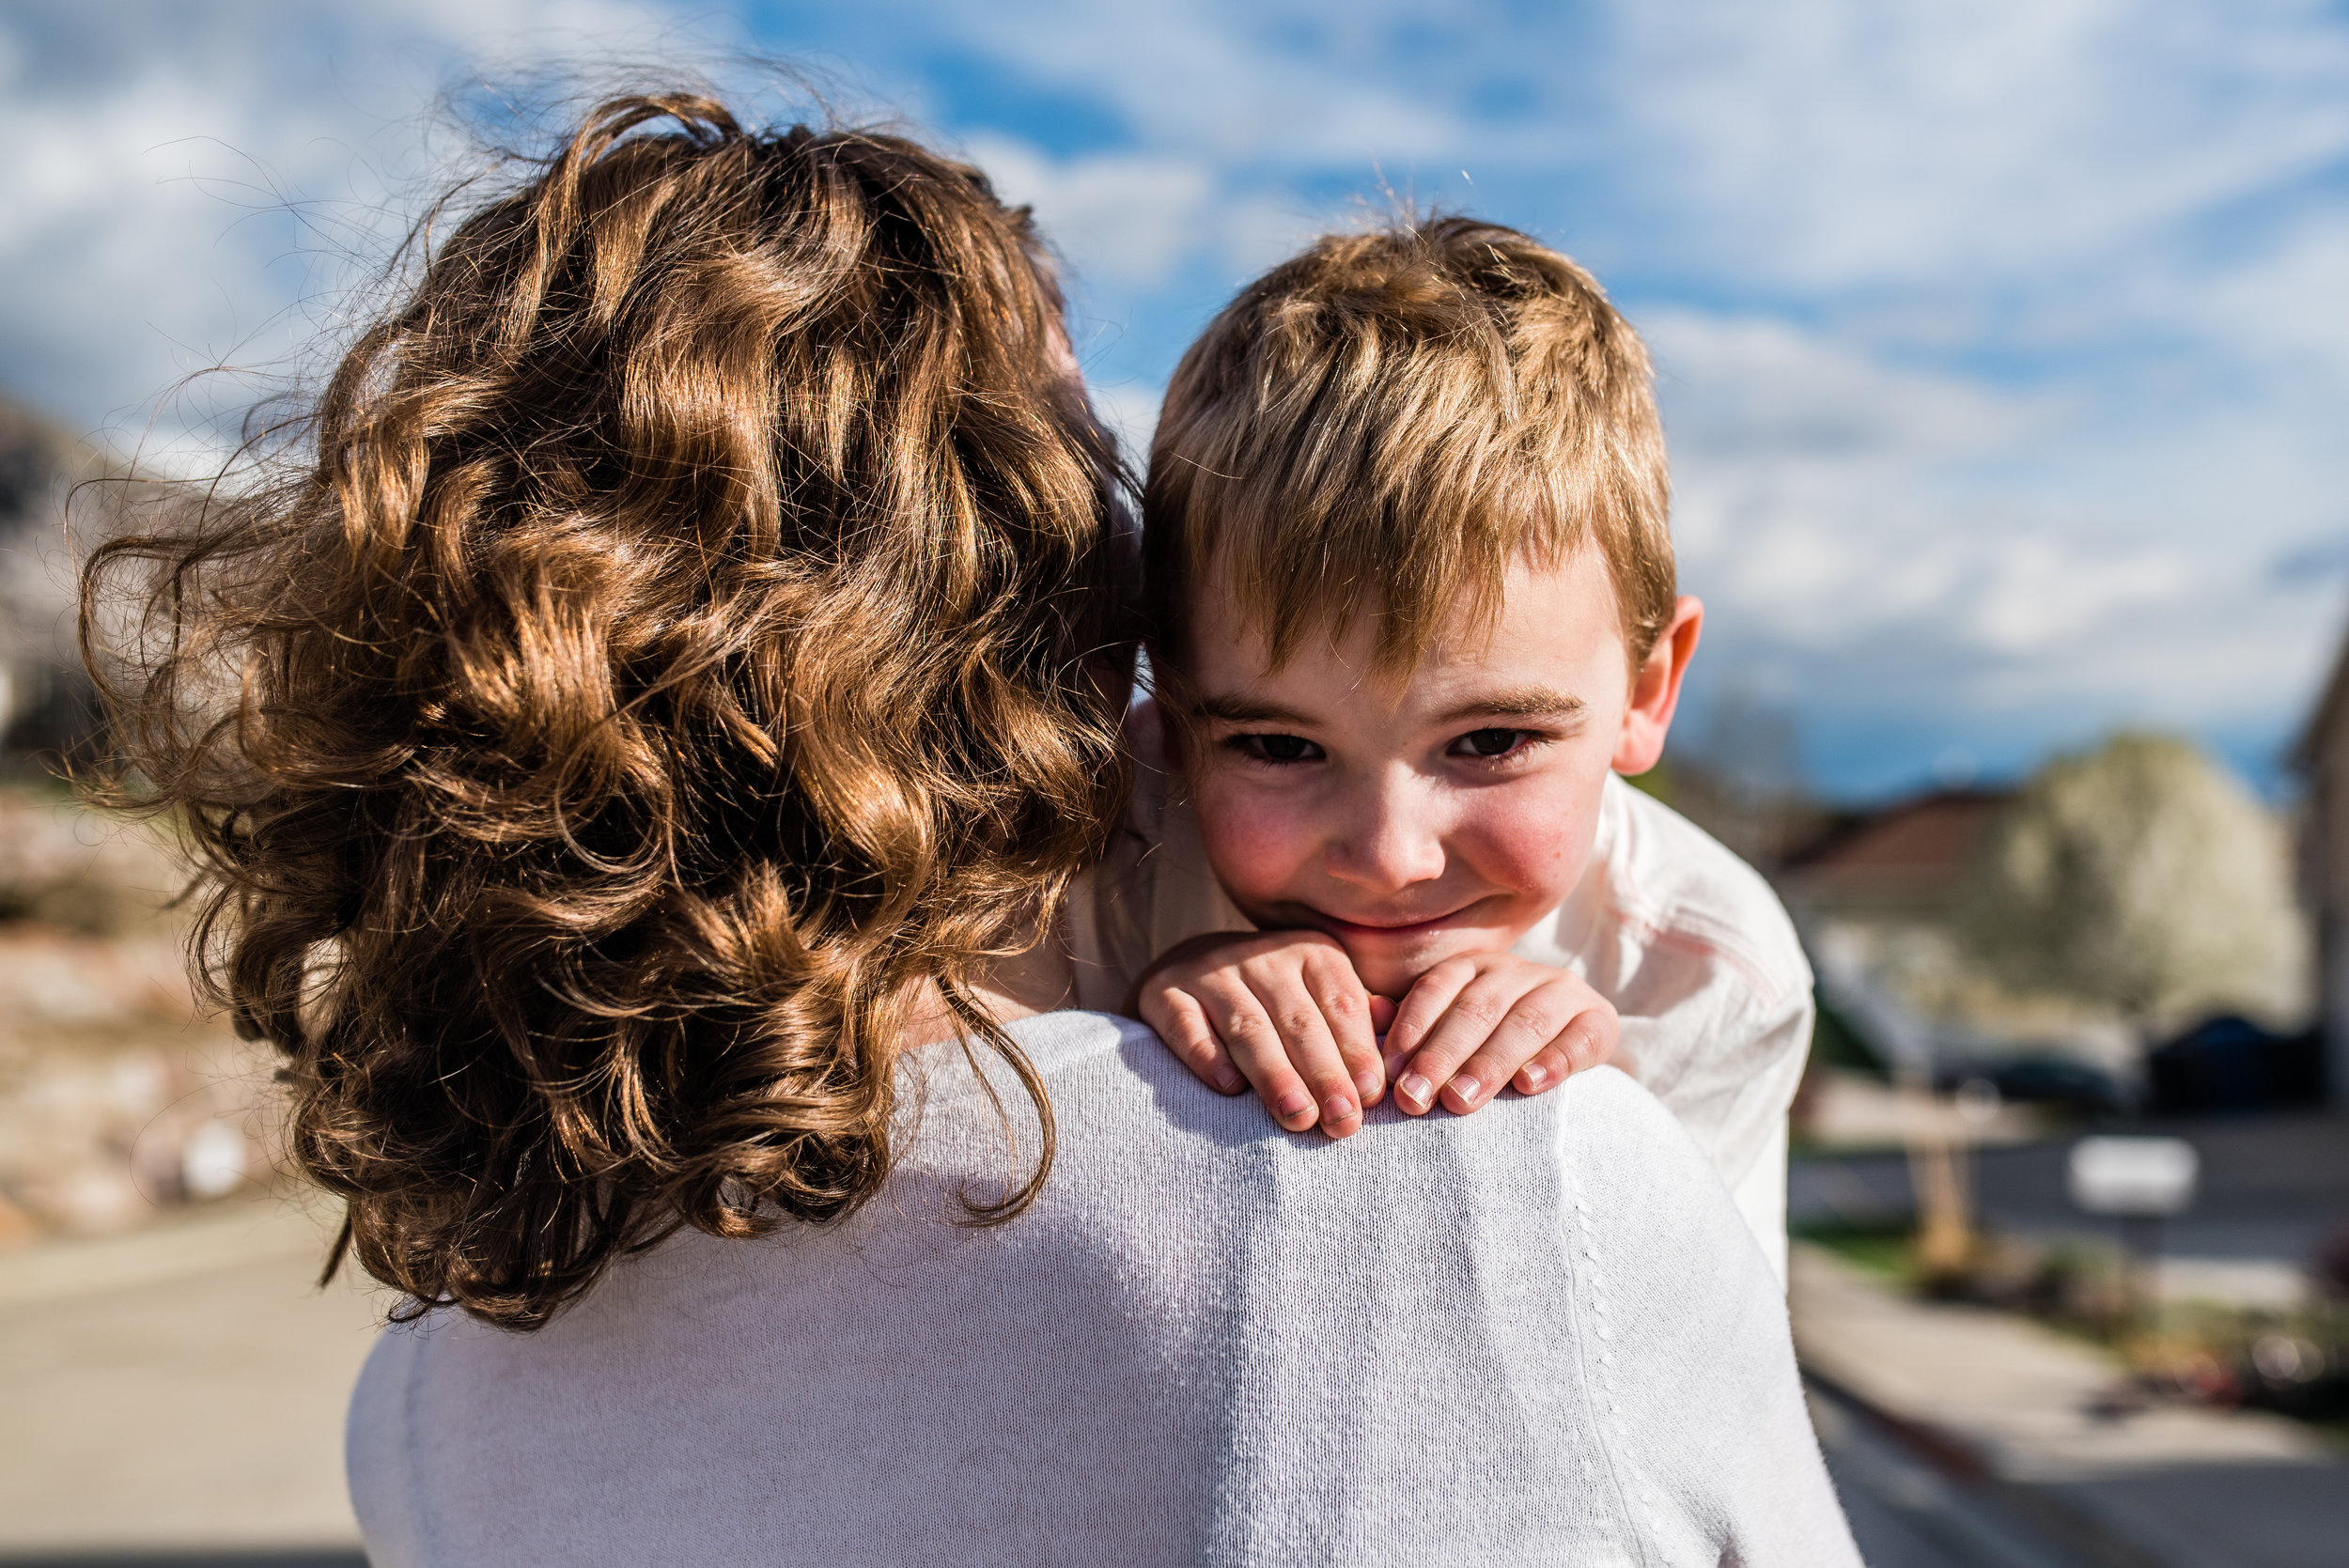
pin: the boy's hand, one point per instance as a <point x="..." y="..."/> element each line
<point x="1470" y="1024"/>
<point x="1282" y="1010"/>
<point x="1285" y="1012"/>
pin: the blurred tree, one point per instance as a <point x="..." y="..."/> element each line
<point x="2142" y="876"/>
<point x="47" y="704"/>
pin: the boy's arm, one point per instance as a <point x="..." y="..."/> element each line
<point x="1761" y="1199"/>
<point x="1782" y="1047"/>
<point x="1734" y="1094"/>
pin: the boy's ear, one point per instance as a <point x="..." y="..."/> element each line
<point x="1656" y="690"/>
<point x="1155" y="735"/>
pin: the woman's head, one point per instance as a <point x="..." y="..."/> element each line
<point x="675" y="647"/>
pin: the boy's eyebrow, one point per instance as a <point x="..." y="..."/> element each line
<point x="1522" y="702"/>
<point x="1235" y="709"/>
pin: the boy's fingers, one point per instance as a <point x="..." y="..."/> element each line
<point x="1492" y="1029"/>
<point x="1534" y="1025"/>
<point x="1419" y="1011"/>
<point x="1345" y="1013"/>
<point x="1585" y="1040"/>
<point x="1549" y="1068"/>
<point x="1178" y="1021"/>
<point x="1311" y="1050"/>
<point x="1249" y="1033"/>
<point x="1485" y="1006"/>
<point x="1589" y="1040"/>
<point x="1505" y="1050"/>
<point x="1381" y="1013"/>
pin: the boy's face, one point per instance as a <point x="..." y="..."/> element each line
<point x="1440" y="814"/>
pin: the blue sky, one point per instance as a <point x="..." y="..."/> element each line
<point x="2005" y="350"/>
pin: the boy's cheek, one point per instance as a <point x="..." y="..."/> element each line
<point x="1535" y="839"/>
<point x="1253" y="851"/>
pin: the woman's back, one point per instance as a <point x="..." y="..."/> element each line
<point x="1539" y="1334"/>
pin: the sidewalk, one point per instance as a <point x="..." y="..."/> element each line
<point x="176" y="1395"/>
<point x="2002" y="1404"/>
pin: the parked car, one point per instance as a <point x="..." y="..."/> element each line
<point x="2228" y="1062"/>
<point x="2038" y="1077"/>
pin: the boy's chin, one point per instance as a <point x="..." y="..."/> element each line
<point x="1389" y="979"/>
<point x="1390" y="968"/>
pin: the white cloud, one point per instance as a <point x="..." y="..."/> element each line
<point x="1882" y="537"/>
<point x="1231" y="83"/>
<point x="189" y="187"/>
<point x="1127" y="218"/>
<point x="2004" y="347"/>
<point x="1846" y="142"/>
<point x="2287" y="304"/>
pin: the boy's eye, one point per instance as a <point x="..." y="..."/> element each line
<point x="1277" y="748"/>
<point x="1488" y="743"/>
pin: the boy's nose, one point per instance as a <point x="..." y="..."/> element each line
<point x="1392" y="842"/>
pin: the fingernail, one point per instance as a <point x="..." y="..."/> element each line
<point x="1468" y="1087"/>
<point x="1337" y="1108"/>
<point x="1413" y="1088"/>
<point x="1367" y="1087"/>
<point x="1536" y="1078"/>
<point x="1231" y="1084"/>
<point x="1292" y="1106"/>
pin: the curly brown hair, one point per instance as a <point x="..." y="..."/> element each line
<point x="673" y="641"/>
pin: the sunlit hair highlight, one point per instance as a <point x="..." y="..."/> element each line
<point x="672" y="644"/>
<point x="1384" y="423"/>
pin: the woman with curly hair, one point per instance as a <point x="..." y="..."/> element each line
<point x="637" y="755"/>
<point x="685" y="660"/>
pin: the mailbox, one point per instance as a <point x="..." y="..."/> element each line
<point x="2132" y="1177"/>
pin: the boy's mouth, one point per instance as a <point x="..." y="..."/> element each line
<point x="1399" y="928"/>
<point x="1389" y="930"/>
<point x="1391" y="953"/>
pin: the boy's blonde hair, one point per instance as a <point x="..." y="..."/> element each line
<point x="1394" y="417"/>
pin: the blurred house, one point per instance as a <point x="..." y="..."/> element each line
<point x="1904" y="863"/>
<point x="1876" y="894"/>
<point x="2321" y="758"/>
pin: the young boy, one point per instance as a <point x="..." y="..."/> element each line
<point x="1414" y="607"/>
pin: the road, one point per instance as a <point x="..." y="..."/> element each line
<point x="2271" y="1189"/>
<point x="1905" y="1514"/>
<point x="175" y="1397"/>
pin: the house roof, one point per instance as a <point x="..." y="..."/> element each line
<point x="2325" y="715"/>
<point x="1916" y="849"/>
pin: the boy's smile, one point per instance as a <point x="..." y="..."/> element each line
<point x="1426" y="816"/>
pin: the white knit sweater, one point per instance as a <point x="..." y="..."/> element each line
<point x="1540" y="1334"/>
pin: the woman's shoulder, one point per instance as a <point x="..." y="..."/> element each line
<point x="1628" y="1157"/>
<point x="1055" y="1044"/>
<point x="1611" y="1113"/>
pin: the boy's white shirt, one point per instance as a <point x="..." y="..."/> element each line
<point x="1687" y="942"/>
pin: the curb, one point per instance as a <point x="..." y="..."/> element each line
<point x="2068" y="1528"/>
